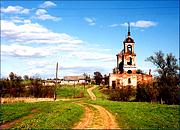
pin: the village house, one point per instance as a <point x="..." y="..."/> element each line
<point x="51" y="82"/>
<point x="125" y="73"/>
<point x="73" y="80"/>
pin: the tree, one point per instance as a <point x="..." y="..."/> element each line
<point x="139" y="71"/>
<point x="12" y="76"/>
<point x="168" y="78"/>
<point x="146" y="92"/>
<point x="106" y="79"/>
<point x="26" y="77"/>
<point x="166" y="66"/>
<point x="98" y="77"/>
<point x="87" y="77"/>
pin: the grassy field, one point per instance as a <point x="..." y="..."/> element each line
<point x="140" y="114"/>
<point x="61" y="114"/>
<point x="47" y="114"/>
<point x="69" y="91"/>
<point x="99" y="95"/>
<point x="42" y="114"/>
<point x="26" y="82"/>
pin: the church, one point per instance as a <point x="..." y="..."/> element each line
<point x="125" y="73"/>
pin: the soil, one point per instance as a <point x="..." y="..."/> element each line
<point x="91" y="94"/>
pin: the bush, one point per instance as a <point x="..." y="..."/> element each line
<point x="17" y="88"/>
<point x="147" y="92"/>
<point x="168" y="92"/>
<point x="157" y="91"/>
<point x="123" y="94"/>
<point x="80" y="95"/>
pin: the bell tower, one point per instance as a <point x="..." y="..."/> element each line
<point x="126" y="59"/>
<point x="124" y="74"/>
<point x="129" y="64"/>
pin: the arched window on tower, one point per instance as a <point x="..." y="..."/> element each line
<point x="130" y="61"/>
<point x="129" y="80"/>
<point x="129" y="49"/>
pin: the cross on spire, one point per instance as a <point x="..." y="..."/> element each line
<point x="129" y="29"/>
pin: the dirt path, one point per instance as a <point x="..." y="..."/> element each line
<point x="87" y="119"/>
<point x="96" y="116"/>
<point x="91" y="94"/>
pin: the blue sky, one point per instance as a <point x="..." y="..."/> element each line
<point x="83" y="36"/>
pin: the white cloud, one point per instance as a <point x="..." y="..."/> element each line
<point x="113" y="25"/>
<point x="15" y="9"/>
<point x="17" y="19"/>
<point x="76" y="60"/>
<point x="47" y="4"/>
<point x="41" y="12"/>
<point x="24" y="51"/>
<point x="141" y="24"/>
<point x="93" y="55"/>
<point x="43" y="15"/>
<point x="17" y="50"/>
<point x="34" y="33"/>
<point x="90" y="21"/>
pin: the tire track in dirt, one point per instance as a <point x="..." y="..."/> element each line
<point x="87" y="119"/>
<point x="96" y="116"/>
<point x="91" y="94"/>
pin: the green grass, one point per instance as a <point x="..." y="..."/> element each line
<point x="48" y="114"/>
<point x="99" y="95"/>
<point x="140" y="114"/>
<point x="16" y="110"/>
<point x="69" y="91"/>
<point x="26" y="82"/>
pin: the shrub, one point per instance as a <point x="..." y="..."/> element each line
<point x="158" y="91"/>
<point x="147" y="92"/>
<point x="123" y="94"/>
<point x="80" y="95"/>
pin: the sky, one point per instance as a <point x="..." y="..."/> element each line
<point x="83" y="36"/>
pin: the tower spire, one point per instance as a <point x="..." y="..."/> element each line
<point x="128" y="29"/>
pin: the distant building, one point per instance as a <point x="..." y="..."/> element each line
<point x="51" y="82"/>
<point x="125" y="72"/>
<point x="74" y="80"/>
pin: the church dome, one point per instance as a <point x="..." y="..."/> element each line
<point x="129" y="40"/>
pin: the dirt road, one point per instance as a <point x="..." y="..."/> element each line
<point x="96" y="116"/>
<point x="91" y="94"/>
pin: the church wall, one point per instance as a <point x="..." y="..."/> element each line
<point x="144" y="78"/>
<point x="129" y="68"/>
<point x="123" y="80"/>
<point x="133" y="79"/>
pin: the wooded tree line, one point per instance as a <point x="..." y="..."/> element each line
<point x="15" y="86"/>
